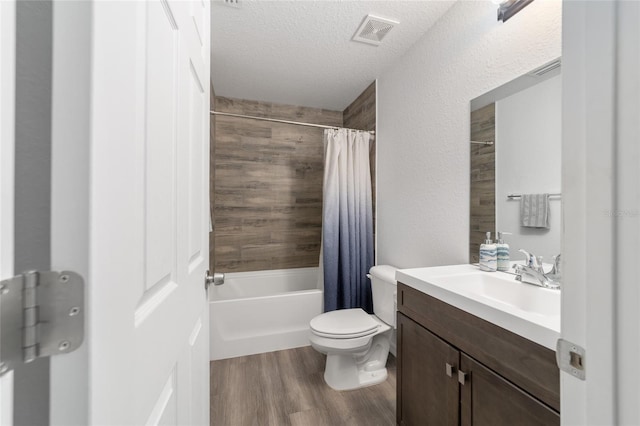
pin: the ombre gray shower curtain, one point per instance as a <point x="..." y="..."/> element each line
<point x="347" y="220"/>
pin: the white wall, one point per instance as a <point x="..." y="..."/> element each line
<point x="627" y="214"/>
<point x="7" y="152"/>
<point x="528" y="160"/>
<point x="423" y="124"/>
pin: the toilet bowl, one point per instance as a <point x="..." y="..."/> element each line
<point x="357" y="343"/>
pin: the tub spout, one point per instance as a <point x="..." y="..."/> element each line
<point x="216" y="279"/>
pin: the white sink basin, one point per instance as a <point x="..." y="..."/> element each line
<point x="505" y="290"/>
<point x="527" y="310"/>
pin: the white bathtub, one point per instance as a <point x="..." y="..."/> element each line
<point x="263" y="311"/>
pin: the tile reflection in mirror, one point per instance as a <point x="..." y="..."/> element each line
<point x="523" y="118"/>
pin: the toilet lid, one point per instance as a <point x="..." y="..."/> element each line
<point x="344" y="324"/>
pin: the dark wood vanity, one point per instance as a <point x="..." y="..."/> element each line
<point x="455" y="368"/>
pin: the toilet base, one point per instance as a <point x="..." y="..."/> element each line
<point x="347" y="371"/>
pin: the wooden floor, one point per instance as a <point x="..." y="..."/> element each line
<point x="287" y="388"/>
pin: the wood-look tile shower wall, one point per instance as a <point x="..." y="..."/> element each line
<point x="483" y="179"/>
<point x="361" y="114"/>
<point x="268" y="186"/>
<point x="267" y="190"/>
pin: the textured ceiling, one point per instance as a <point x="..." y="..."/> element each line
<point x="301" y="53"/>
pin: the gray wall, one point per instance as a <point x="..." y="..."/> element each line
<point x="33" y="182"/>
<point x="70" y="160"/>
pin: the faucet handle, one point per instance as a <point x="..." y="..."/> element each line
<point x="532" y="260"/>
<point x="529" y="258"/>
<point x="556" y="265"/>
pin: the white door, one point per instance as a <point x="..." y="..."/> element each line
<point x="7" y="99"/>
<point x="601" y="205"/>
<point x="141" y="211"/>
<point x="148" y="336"/>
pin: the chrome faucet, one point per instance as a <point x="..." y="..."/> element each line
<point x="532" y="272"/>
<point x="555" y="272"/>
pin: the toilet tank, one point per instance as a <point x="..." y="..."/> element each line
<point x="383" y="287"/>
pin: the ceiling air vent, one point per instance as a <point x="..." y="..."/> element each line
<point x="232" y="3"/>
<point x="373" y="29"/>
<point x="546" y="68"/>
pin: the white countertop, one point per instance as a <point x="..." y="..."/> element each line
<point x="524" y="309"/>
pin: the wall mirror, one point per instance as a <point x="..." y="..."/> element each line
<point x="515" y="150"/>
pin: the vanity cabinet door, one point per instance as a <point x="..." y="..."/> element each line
<point x="427" y="394"/>
<point x="488" y="399"/>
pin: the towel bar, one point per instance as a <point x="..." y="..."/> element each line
<point x="516" y="196"/>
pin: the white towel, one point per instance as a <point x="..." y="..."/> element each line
<point x="534" y="210"/>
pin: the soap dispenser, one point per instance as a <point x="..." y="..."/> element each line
<point x="488" y="255"/>
<point x="502" y="249"/>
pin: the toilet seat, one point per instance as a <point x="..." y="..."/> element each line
<point x="344" y="324"/>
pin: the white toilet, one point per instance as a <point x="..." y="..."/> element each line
<point x="356" y="343"/>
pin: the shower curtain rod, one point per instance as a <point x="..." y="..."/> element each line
<point x="275" y="120"/>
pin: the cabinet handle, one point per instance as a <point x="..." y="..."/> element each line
<point x="450" y="369"/>
<point x="462" y="377"/>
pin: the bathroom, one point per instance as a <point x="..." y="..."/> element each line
<point x="210" y="128"/>
<point x="423" y="127"/>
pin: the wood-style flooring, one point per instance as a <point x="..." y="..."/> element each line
<point x="287" y="388"/>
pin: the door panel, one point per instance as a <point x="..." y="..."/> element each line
<point x="488" y="399"/>
<point x="165" y="410"/>
<point x="198" y="14"/>
<point x="199" y="374"/>
<point x="149" y="352"/>
<point x="159" y="114"/>
<point x="197" y="179"/>
<point x="423" y="384"/>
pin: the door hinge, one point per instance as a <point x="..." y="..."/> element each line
<point x="41" y="314"/>
<point x="571" y="358"/>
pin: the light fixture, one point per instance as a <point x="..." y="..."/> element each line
<point x="508" y="8"/>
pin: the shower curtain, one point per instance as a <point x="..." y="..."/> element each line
<point x="347" y="220"/>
